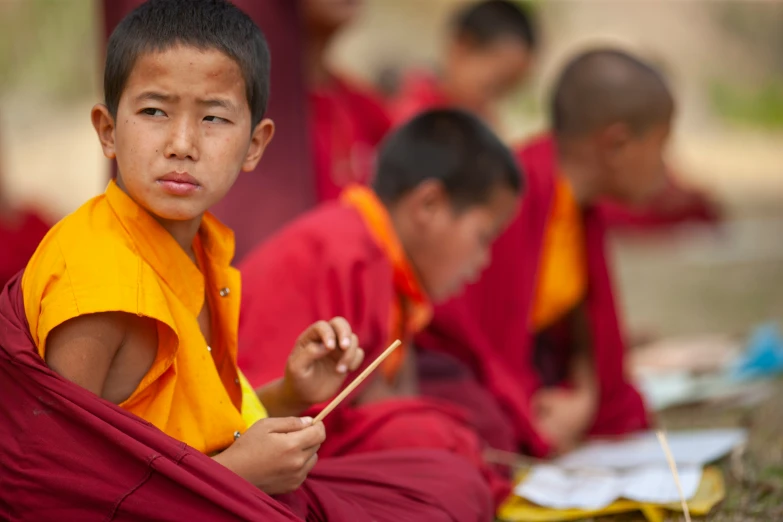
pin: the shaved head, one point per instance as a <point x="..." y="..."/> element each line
<point x="605" y="86"/>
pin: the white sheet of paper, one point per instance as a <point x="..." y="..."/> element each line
<point x="558" y="488"/>
<point x="554" y="487"/>
<point x="656" y="484"/>
<point x="689" y="448"/>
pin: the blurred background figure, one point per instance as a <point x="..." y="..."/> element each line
<point x="347" y="120"/>
<point x="488" y="54"/>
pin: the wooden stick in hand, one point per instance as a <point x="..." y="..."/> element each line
<point x="356" y="382"/>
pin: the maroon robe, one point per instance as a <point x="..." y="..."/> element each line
<point x="69" y="455"/>
<point x="281" y="187"/>
<point x="327" y="264"/>
<point x="676" y="205"/>
<point x="488" y="327"/>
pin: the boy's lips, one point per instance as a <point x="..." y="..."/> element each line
<point x="179" y="183"/>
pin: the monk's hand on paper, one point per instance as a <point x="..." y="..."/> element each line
<point x="320" y="361"/>
<point x="275" y="454"/>
<point x="563" y="416"/>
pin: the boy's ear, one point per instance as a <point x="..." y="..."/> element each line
<point x="463" y="45"/>
<point x="427" y="199"/>
<point x="259" y="141"/>
<point x="614" y="137"/>
<point x="103" y="123"/>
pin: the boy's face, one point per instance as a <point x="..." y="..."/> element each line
<point x="453" y="247"/>
<point x="634" y="167"/>
<point x="484" y="75"/>
<point x="182" y="132"/>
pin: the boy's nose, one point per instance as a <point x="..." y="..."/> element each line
<point x="183" y="140"/>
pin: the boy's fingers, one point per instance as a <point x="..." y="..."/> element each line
<point x="343" y="331"/>
<point x="286" y="424"/>
<point x="358" y="357"/>
<point x="310" y="464"/>
<point x="344" y="364"/>
<point x="322" y="332"/>
<point x="310" y="436"/>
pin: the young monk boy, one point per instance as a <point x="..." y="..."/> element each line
<point x="489" y="53"/>
<point x="541" y="327"/>
<point x="347" y="121"/>
<point x="444" y="187"/>
<point x="132" y="298"/>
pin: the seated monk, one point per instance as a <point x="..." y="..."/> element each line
<point x="541" y="327"/>
<point x="20" y="232"/>
<point x="347" y="120"/>
<point x="119" y="343"/>
<point x="445" y="186"/>
<point x="489" y="53"/>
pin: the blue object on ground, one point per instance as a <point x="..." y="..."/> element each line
<point x="764" y="354"/>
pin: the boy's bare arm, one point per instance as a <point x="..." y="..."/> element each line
<point x="106" y="353"/>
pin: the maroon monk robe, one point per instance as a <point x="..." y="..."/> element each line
<point x="69" y="455"/>
<point x="18" y="240"/>
<point x="488" y="327"/>
<point x="676" y="205"/>
<point x="347" y="122"/>
<point x="327" y="264"/>
<point x="281" y="186"/>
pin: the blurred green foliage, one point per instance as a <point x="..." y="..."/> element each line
<point x="754" y="95"/>
<point x="759" y="106"/>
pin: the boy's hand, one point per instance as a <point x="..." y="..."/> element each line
<point x="322" y="357"/>
<point x="275" y="454"/>
<point x="563" y="416"/>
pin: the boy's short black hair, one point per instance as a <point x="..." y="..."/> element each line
<point x="487" y="21"/>
<point x="603" y="86"/>
<point x="158" y="25"/>
<point x="451" y="146"/>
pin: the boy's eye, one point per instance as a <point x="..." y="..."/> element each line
<point x="215" y="119"/>
<point x="153" y="112"/>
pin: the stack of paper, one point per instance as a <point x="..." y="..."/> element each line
<point x="633" y="468"/>
<point x="558" y="488"/>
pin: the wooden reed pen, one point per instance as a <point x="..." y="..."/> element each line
<point x="356" y="382"/>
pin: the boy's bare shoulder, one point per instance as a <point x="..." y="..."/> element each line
<point x="106" y="353"/>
